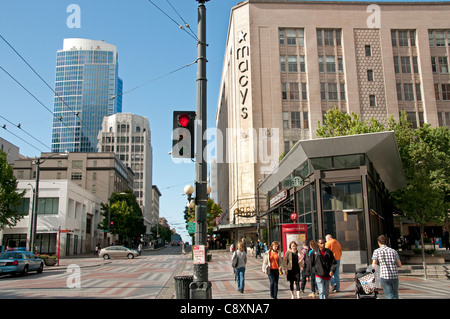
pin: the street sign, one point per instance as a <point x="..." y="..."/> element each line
<point x="199" y="254"/>
<point x="191" y="227"/>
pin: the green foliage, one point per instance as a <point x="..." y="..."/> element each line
<point x="213" y="211"/>
<point x="162" y="231"/>
<point x="9" y="198"/>
<point x="126" y="215"/>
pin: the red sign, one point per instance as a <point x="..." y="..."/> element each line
<point x="199" y="254"/>
<point x="294" y="232"/>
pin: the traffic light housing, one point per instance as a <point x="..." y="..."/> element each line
<point x="183" y="135"/>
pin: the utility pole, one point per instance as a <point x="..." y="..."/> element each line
<point x="200" y="288"/>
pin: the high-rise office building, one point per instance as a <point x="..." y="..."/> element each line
<point x="87" y="88"/>
<point x="128" y="135"/>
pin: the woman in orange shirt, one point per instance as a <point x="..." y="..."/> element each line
<point x="272" y="267"/>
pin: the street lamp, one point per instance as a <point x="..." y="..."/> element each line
<point x="31" y="221"/>
<point x="34" y="212"/>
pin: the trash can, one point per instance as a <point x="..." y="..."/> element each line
<point x="182" y="286"/>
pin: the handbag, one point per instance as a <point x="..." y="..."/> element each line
<point x="235" y="261"/>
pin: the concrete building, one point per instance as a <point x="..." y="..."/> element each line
<point x="287" y="62"/>
<point x="156" y="194"/>
<point x="128" y="135"/>
<point x="62" y="205"/>
<point x="99" y="173"/>
<point x="11" y="150"/>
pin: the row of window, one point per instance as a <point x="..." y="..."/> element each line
<point x="297" y="120"/>
<point x="333" y="37"/>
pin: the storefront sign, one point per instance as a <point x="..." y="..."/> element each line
<point x="297" y="181"/>
<point x="279" y="197"/>
<point x="242" y="57"/>
<point x="245" y="212"/>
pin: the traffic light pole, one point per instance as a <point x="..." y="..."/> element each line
<point x="200" y="288"/>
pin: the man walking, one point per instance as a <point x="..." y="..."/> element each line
<point x="324" y="265"/>
<point x="388" y="260"/>
<point x="333" y="245"/>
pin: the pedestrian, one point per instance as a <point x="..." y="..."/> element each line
<point x="97" y="249"/>
<point x="305" y="254"/>
<point x="239" y="260"/>
<point x="259" y="248"/>
<point x="252" y="247"/>
<point x="139" y="249"/>
<point x="183" y="248"/>
<point x="333" y="245"/>
<point x="324" y="265"/>
<point x="245" y="244"/>
<point x="272" y="267"/>
<point x="292" y="262"/>
<point x="309" y="273"/>
<point x="446" y="239"/>
<point x="388" y="261"/>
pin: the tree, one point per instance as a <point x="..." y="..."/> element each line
<point x="163" y="232"/>
<point x="10" y="199"/>
<point x="425" y="156"/>
<point x="125" y="214"/>
<point x="213" y="211"/>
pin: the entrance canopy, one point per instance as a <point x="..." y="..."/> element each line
<point x="381" y="149"/>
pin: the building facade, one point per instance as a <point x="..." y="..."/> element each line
<point x="87" y="88"/>
<point x="62" y="205"/>
<point x="99" y="173"/>
<point x="129" y="137"/>
<point x="288" y="62"/>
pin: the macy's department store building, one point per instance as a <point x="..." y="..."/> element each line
<point x="337" y="186"/>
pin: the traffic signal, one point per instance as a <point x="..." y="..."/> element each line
<point x="183" y="137"/>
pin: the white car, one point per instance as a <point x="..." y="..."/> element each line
<point x="117" y="252"/>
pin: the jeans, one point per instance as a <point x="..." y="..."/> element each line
<point x="335" y="278"/>
<point x="274" y="275"/>
<point x="390" y="287"/>
<point x="240" y="277"/>
<point x="323" y="287"/>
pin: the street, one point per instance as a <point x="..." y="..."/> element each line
<point x="144" y="277"/>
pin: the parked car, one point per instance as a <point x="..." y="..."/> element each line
<point x="117" y="252"/>
<point x="20" y="261"/>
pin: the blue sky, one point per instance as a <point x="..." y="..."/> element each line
<point x="149" y="45"/>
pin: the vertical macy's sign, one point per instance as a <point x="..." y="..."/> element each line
<point x="242" y="55"/>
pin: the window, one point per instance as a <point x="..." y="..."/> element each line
<point x="323" y="92"/>
<point x="20" y="174"/>
<point x="76" y="176"/>
<point x="295" y="120"/>
<point x="331" y="64"/>
<point x="368" y="50"/>
<point x="292" y="64"/>
<point x="329" y="37"/>
<point x="24" y="206"/>
<point x="415" y="65"/>
<point x="370" y="75"/>
<point x="58" y="175"/>
<point x="406" y="64"/>
<point x="342" y="87"/>
<point x="304" y="92"/>
<point x="305" y="120"/>
<point x="77" y="164"/>
<point x="291" y="37"/>
<point x="332" y="92"/>
<point x="411" y="117"/>
<point x="284" y="91"/>
<point x="138" y="129"/>
<point x="301" y="37"/>
<point x="319" y="37"/>
<point x="445" y="92"/>
<point x="48" y="206"/>
<point x="283" y="63"/>
<point x="321" y="65"/>
<point x="440" y="38"/>
<point x="281" y="36"/>
<point x="399" y="92"/>
<point x="302" y="64"/>
<point x="396" y="64"/>
<point x="340" y="64"/>
<point x="294" y="91"/>
<point x="443" y="64"/>
<point x="408" y="91"/>
<point x="418" y="92"/>
<point x="372" y="101"/>
<point x="285" y="120"/>
<point x="403" y="38"/>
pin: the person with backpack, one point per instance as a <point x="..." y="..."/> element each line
<point x="324" y="264"/>
<point x="305" y="256"/>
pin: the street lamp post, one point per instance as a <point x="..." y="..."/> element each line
<point x="200" y="288"/>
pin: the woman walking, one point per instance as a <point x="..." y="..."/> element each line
<point x="292" y="263"/>
<point x="238" y="262"/>
<point x="272" y="267"/>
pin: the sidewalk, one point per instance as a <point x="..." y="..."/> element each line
<point x="257" y="283"/>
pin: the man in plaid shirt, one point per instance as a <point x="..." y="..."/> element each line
<point x="388" y="260"/>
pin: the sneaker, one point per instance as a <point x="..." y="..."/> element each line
<point x="334" y="288"/>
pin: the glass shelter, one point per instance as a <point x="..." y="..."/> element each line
<point x="337" y="186"/>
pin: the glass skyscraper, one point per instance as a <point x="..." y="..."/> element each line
<point x="87" y="88"/>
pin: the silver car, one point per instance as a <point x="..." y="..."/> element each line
<point x="117" y="252"/>
<point x="20" y="261"/>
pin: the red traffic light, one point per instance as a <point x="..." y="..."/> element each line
<point x="183" y="120"/>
